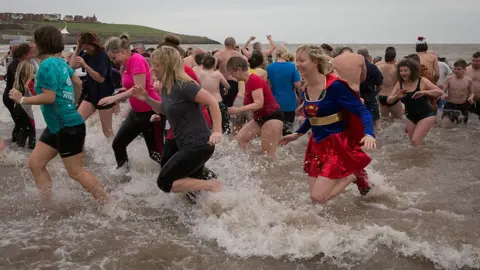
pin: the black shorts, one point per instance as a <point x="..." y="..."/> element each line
<point x="68" y="141"/>
<point x="453" y="111"/>
<point x="94" y="102"/>
<point x="371" y="103"/>
<point x="93" y="97"/>
<point x="277" y="115"/>
<point x="383" y="101"/>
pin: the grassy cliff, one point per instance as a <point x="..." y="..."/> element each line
<point x="137" y="33"/>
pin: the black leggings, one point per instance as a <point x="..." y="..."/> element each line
<point x="135" y="124"/>
<point x="25" y="127"/>
<point x="10" y="104"/>
<point x="181" y="163"/>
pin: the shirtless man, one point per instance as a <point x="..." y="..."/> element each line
<point x="389" y="73"/>
<point x="222" y="58"/>
<point x="350" y="67"/>
<point x="382" y="61"/>
<point x="458" y="93"/>
<point x="210" y="80"/>
<point x="430" y="61"/>
<point x="190" y="60"/>
<point x="473" y="72"/>
<point x="258" y="46"/>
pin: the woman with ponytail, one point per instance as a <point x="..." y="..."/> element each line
<point x="136" y="74"/>
<point x="340" y="124"/>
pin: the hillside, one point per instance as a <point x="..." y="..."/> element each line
<point x="137" y="33"/>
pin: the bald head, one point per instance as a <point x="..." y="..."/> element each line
<point x="230" y="42"/>
<point x="198" y="51"/>
<point x="364" y="52"/>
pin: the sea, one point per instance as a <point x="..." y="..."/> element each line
<point x="423" y="213"/>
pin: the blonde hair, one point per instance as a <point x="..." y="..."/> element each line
<point x="25" y="73"/>
<point x="172" y="63"/>
<point x="116" y="44"/>
<point x="317" y="54"/>
<point x="282" y="52"/>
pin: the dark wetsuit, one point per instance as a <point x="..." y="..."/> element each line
<point x="416" y="109"/>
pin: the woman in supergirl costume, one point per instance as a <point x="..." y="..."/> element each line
<point x="340" y="124"/>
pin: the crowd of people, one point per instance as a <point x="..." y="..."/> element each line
<point x="183" y="102"/>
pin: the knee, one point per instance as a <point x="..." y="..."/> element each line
<point x="318" y="198"/>
<point x="117" y="144"/>
<point x="164" y="184"/>
<point x="76" y="174"/>
<point x="35" y="164"/>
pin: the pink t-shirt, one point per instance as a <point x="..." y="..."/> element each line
<point x="137" y="64"/>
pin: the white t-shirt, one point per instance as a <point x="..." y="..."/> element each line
<point x="444" y="72"/>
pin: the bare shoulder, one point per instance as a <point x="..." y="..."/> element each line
<point x="468" y="79"/>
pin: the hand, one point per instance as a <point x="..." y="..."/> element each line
<point x="369" y="142"/>
<point x="80" y="61"/>
<point x="252" y="38"/>
<point x="470" y="100"/>
<point x="158" y="85"/>
<point x="2" y="77"/>
<point x="155" y="118"/>
<point x="15" y="95"/>
<point x="233" y="110"/>
<point x="401" y="93"/>
<point x="215" y="138"/>
<point x="140" y="93"/>
<point x="301" y="119"/>
<point x="269" y="37"/>
<point x="362" y="101"/>
<point x="419" y="94"/>
<point x="289" y="138"/>
<point x="107" y="101"/>
<point x="79" y="44"/>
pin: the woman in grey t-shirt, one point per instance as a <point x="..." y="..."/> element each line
<point x="181" y="103"/>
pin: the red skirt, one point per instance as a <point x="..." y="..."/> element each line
<point x="335" y="157"/>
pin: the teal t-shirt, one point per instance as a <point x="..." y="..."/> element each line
<point x="54" y="74"/>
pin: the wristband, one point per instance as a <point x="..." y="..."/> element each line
<point x="21" y="100"/>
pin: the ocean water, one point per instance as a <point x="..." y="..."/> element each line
<point x="423" y="212"/>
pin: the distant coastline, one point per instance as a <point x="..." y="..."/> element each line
<point x="137" y="33"/>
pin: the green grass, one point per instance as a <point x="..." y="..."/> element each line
<point x="105" y="28"/>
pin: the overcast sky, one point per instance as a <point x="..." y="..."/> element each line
<point x="301" y="21"/>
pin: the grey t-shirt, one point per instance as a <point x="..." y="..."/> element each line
<point x="185" y="115"/>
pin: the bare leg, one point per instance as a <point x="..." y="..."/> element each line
<point x="271" y="132"/>
<point x="86" y="110"/>
<point x="325" y="189"/>
<point x="422" y="129"/>
<point x="37" y="162"/>
<point x="248" y="133"/>
<point x="410" y="129"/>
<point x="2" y="144"/>
<point x="384" y="111"/>
<point x="106" y="121"/>
<point x="190" y="184"/>
<point x="89" y="182"/>
<point x="397" y="111"/>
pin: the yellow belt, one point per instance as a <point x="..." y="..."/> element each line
<point x="326" y="120"/>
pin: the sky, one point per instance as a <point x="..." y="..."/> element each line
<point x="302" y="21"/>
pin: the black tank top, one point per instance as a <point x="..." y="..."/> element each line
<point x="417" y="106"/>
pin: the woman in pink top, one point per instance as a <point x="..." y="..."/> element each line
<point x="136" y="73"/>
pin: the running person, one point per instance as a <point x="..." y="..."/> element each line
<point x="340" y="123"/>
<point x="267" y="116"/>
<point x="182" y="101"/>
<point x="136" y="73"/>
<point x="415" y="91"/>
<point x="24" y="119"/>
<point x="65" y="132"/>
<point x="98" y="82"/>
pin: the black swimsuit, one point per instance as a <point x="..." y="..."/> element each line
<point x="416" y="109"/>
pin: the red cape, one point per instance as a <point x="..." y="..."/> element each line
<point x="354" y="128"/>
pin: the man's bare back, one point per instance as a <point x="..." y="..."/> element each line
<point x="351" y="67"/>
<point x="475" y="76"/>
<point x="210" y="80"/>
<point x="430" y="61"/>
<point x="222" y="57"/>
<point x="389" y="73"/>
<point x="458" y="89"/>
